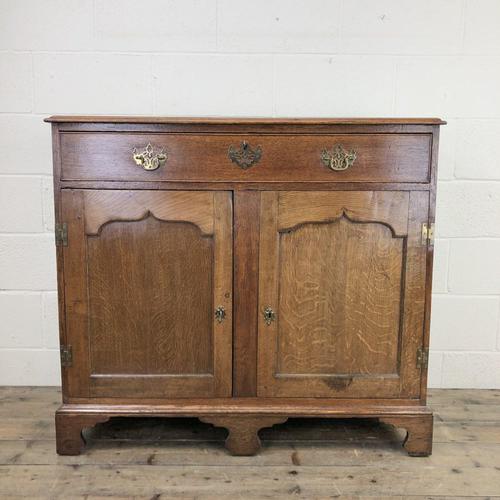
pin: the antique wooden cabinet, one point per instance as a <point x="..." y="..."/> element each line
<point x="244" y="271"/>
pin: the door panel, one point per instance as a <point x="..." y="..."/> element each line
<point x="152" y="268"/>
<point x="171" y="319"/>
<point x="325" y="303"/>
<point x="339" y="269"/>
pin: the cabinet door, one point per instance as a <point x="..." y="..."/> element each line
<point x="344" y="275"/>
<point x="144" y="272"/>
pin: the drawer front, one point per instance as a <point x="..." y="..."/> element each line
<point x="245" y="158"/>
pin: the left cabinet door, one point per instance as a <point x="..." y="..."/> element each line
<point x="144" y="273"/>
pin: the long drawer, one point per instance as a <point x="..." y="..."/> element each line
<point x="124" y="156"/>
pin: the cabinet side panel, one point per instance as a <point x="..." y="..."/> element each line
<point x="58" y="218"/>
<point x="430" y="258"/>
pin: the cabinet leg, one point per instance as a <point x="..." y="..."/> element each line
<point x="418" y="441"/>
<point x="69" y="427"/>
<point x="243" y="438"/>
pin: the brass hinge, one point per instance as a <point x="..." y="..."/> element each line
<point x="422" y="357"/>
<point x="428" y="234"/>
<point x="61" y="234"/>
<point x="66" y="355"/>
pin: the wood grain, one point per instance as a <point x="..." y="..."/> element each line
<point x="149" y="330"/>
<point x="413" y="326"/>
<point x="70" y="440"/>
<point x="380" y="157"/>
<point x="209" y="483"/>
<point x="246" y="268"/>
<point x="334" y="266"/>
<point x="168" y="328"/>
<point x="385" y="207"/>
<point x="105" y="206"/>
<point x="300" y="231"/>
<point x="223" y="294"/>
<point x="243" y="438"/>
<point x="243" y="420"/>
<point x="430" y="257"/>
<point x="365" y="444"/>
<point x="75" y="294"/>
<point x="339" y="302"/>
<point x="232" y="121"/>
<point x="176" y="456"/>
<point x="418" y="440"/>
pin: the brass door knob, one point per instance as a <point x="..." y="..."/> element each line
<point x="148" y="159"/>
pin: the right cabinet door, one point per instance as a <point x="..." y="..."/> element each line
<point x="341" y="293"/>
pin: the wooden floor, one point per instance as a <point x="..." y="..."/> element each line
<point x="176" y="458"/>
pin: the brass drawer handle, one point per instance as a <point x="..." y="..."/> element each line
<point x="269" y="315"/>
<point x="338" y="158"/>
<point x="148" y="159"/>
<point x="244" y="156"/>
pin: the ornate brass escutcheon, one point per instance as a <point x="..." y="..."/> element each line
<point x="269" y="315"/>
<point x="220" y="314"/>
<point x="245" y="156"/>
<point x="338" y="158"/>
<point x="148" y="159"/>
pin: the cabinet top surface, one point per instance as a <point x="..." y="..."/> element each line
<point x="229" y="120"/>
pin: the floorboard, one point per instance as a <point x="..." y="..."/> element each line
<point x="303" y="458"/>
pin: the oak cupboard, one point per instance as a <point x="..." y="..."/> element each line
<point x="244" y="271"/>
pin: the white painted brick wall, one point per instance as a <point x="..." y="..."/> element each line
<point x="271" y="26"/>
<point x="92" y="83"/>
<point x="270" y="58"/>
<point x="402" y="27"/>
<point x="227" y="84"/>
<point x="153" y="26"/>
<point x="334" y="85"/>
<point x="22" y="313"/>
